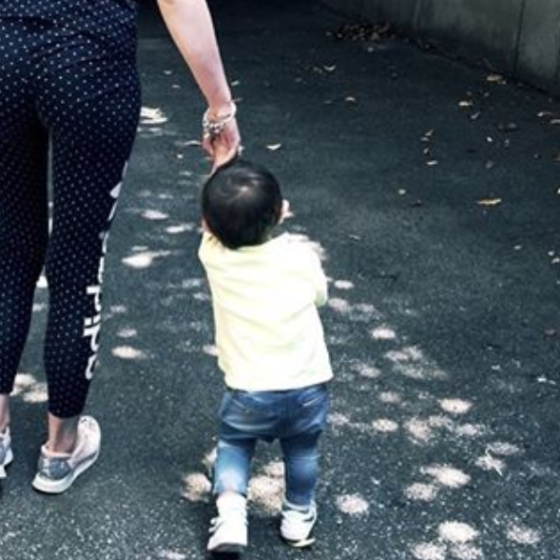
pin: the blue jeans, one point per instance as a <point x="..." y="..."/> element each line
<point x="295" y="417"/>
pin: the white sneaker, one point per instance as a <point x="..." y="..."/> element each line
<point x="57" y="471"/>
<point x="229" y="529"/>
<point x="297" y="525"/>
<point x="6" y="454"/>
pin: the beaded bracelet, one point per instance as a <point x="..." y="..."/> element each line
<point x="213" y="128"/>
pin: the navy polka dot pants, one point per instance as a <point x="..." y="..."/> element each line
<point x="69" y="106"/>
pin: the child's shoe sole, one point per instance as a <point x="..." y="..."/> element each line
<point x="300" y="544"/>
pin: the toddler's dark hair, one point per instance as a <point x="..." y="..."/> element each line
<point x="241" y="204"/>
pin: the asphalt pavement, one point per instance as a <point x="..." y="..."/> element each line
<point x="432" y="191"/>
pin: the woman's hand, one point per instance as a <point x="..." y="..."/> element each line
<point x="225" y="146"/>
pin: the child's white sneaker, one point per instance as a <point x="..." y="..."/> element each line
<point x="229" y="529"/>
<point x="57" y="471"/>
<point x="297" y="524"/>
<point x="6" y="454"/>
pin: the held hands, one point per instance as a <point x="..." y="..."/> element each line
<point x="220" y="135"/>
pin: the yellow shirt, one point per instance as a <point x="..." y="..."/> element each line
<point x="268" y="331"/>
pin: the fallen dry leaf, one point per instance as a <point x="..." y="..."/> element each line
<point x="465" y="103"/>
<point x="495" y="79"/>
<point x="432" y="162"/>
<point x="273" y="147"/>
<point x="329" y="68"/>
<point x="490" y="202"/>
<point x="351" y="99"/>
<point x="475" y="116"/>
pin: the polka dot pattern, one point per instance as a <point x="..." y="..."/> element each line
<point x="68" y="88"/>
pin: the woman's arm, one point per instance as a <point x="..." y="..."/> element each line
<point x="192" y="29"/>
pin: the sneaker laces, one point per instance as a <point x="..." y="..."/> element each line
<point x="298" y="515"/>
<point x="219" y="520"/>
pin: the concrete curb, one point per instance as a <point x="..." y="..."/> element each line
<point x="516" y="37"/>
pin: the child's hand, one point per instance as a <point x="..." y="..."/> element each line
<point x="285" y="213"/>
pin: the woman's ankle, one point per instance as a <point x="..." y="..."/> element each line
<point x="63" y="434"/>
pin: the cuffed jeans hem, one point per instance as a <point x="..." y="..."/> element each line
<point x="298" y="507"/>
<point x="221" y="488"/>
<point x="299" y="502"/>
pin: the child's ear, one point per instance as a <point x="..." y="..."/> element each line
<point x="204" y="226"/>
<point x="285" y="213"/>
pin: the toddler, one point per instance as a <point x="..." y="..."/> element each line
<point x="271" y="348"/>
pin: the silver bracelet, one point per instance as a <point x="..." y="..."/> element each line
<point x="213" y="128"/>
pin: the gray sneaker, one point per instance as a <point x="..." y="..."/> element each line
<point x="57" y="471"/>
<point x="6" y="454"/>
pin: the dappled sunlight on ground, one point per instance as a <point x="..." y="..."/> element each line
<point x="197" y="487"/>
<point x="127" y="332"/>
<point x="383" y="333"/>
<point x="521" y="534"/>
<point x="29" y="389"/>
<point x="210" y="350"/>
<point x="413" y="413"/>
<point x="352" y="504"/>
<point x="447" y="475"/>
<point x="266" y="490"/>
<point x="152" y="115"/>
<point x="155" y="215"/>
<point x="180" y="228"/>
<point x="144" y="259"/>
<point x="128" y="353"/>
<point x="152" y="123"/>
